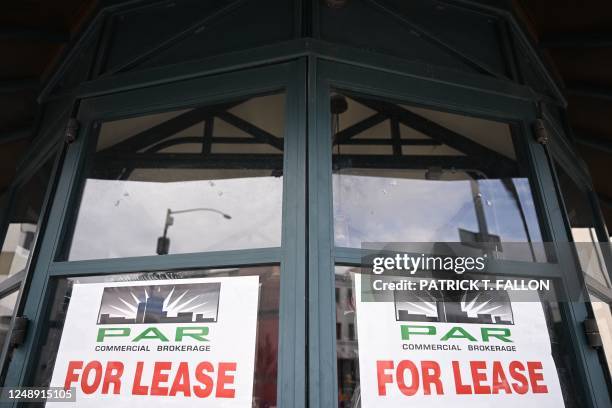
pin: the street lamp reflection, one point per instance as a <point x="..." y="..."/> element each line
<point x="163" y="242"/>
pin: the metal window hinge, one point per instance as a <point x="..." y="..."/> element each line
<point x="541" y="132"/>
<point x="592" y="333"/>
<point x="20" y="328"/>
<point x="539" y="126"/>
<point x="71" y="131"/>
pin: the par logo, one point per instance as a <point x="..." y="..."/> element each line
<point x="179" y="334"/>
<point x="484" y="334"/>
<point x="144" y="312"/>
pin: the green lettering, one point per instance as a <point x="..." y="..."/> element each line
<point x="407" y="330"/>
<point x="499" y="333"/>
<point x="112" y="332"/>
<point x="461" y="334"/>
<point x="197" y="333"/>
<point x="155" y="334"/>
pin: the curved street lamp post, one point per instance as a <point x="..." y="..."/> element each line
<point x="163" y="242"/>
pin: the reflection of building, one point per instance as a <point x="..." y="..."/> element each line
<point x="346" y="332"/>
<point x="454" y="307"/>
<point x="346" y="336"/>
<point x="181" y="303"/>
<point x="16" y="247"/>
<point x="151" y="311"/>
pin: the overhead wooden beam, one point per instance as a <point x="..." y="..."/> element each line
<point x="159" y="132"/>
<point x="396" y="138"/>
<point x="32" y="34"/>
<point x="199" y="140"/>
<point x="175" y="141"/>
<point x="119" y="160"/>
<point x="590" y="91"/>
<point x="438" y="132"/>
<point x="389" y="142"/>
<point x="345" y="135"/>
<point x="251" y="129"/>
<point x="577" y="40"/>
<point x="207" y="136"/>
<point x="115" y="161"/>
<point x="420" y="162"/>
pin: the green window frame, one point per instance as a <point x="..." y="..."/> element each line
<point x="290" y="255"/>
<point x="323" y="255"/>
<point x="307" y="255"/>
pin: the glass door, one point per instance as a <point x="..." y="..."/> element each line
<point x="172" y="271"/>
<point x="396" y="158"/>
<point x="588" y="233"/>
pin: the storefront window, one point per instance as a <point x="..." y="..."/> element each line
<point x="408" y="174"/>
<point x="590" y="254"/>
<point x="225" y="319"/>
<point x="23" y="223"/>
<point x="534" y="327"/>
<point x="603" y="315"/>
<point x="203" y="179"/>
<point x="582" y="224"/>
<point x="23" y="219"/>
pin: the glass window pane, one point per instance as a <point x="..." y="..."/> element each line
<point x="408" y="174"/>
<point x="7" y="306"/>
<point x="582" y="224"/>
<point x="24" y="216"/>
<point x="135" y="307"/>
<point x="194" y="180"/>
<point x="603" y="316"/>
<point x="386" y="333"/>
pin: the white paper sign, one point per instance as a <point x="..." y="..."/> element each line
<point x="429" y="354"/>
<point x="171" y="343"/>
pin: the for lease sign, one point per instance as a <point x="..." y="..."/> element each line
<point x="470" y="349"/>
<point x="171" y="343"/>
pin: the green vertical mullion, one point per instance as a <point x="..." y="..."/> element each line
<point x="322" y="339"/>
<point x="561" y="155"/>
<point x="592" y="379"/>
<point x="35" y="305"/>
<point x="55" y="154"/>
<point x="291" y="383"/>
